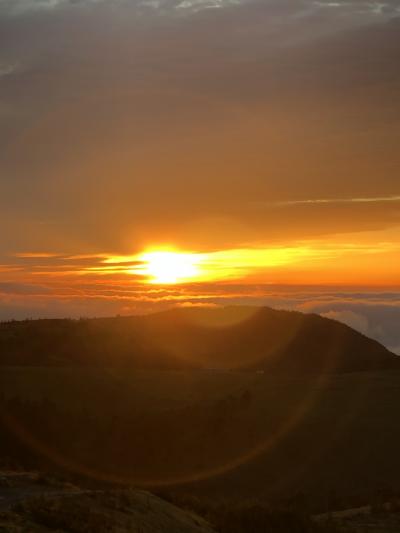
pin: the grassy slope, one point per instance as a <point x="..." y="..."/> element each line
<point x="340" y="447"/>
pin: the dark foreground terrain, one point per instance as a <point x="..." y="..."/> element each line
<point x="306" y="428"/>
<point x="326" y="443"/>
<point x="32" y="503"/>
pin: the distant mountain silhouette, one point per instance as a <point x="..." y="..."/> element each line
<point x="228" y="338"/>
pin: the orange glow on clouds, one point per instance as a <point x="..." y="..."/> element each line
<point x="171" y="266"/>
<point x="302" y="262"/>
<point x="368" y="259"/>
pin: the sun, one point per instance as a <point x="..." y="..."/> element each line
<point x="168" y="267"/>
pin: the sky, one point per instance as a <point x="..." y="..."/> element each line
<point x="247" y="148"/>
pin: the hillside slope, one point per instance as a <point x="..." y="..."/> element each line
<point x="227" y="338"/>
<point x="71" y="510"/>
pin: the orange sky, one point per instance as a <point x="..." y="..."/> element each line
<point x="254" y="142"/>
<point x="368" y="259"/>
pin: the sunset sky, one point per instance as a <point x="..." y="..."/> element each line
<point x="201" y="152"/>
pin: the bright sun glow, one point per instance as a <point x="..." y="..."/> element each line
<point x="170" y="267"/>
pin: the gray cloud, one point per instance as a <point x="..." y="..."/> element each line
<point x="6" y="69"/>
<point x="354" y="320"/>
<point x="377" y="316"/>
<point x="286" y="8"/>
<point x="163" y="7"/>
<point x="21" y="7"/>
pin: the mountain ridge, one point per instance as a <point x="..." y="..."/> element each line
<point x="228" y="338"/>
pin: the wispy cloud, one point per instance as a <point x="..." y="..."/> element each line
<point x="18" y="7"/>
<point x="297" y="7"/>
<point x="7" y="269"/>
<point x="199" y="5"/>
<point x="333" y="201"/>
<point x="36" y="255"/>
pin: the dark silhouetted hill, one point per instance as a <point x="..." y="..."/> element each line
<point x="214" y="339"/>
